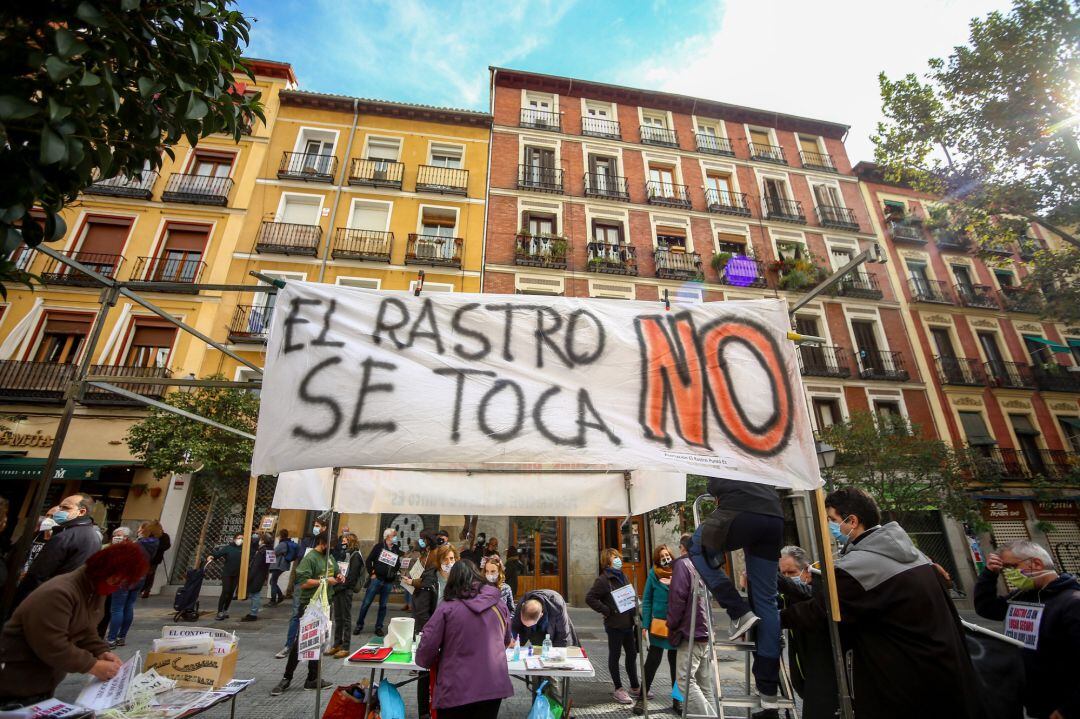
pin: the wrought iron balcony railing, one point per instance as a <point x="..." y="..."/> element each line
<point x="354" y="244"/>
<point x="48" y="382"/>
<point x="817" y="161"/>
<point x="1002" y="250"/>
<point x="743" y="271"/>
<point x="727" y="203"/>
<point x="995" y="464"/>
<point x="197" y="189"/>
<point x="976" y="296"/>
<point x="127" y="377"/>
<point x="540" y="119"/>
<point x="767" y="153"/>
<point x="714" y="145"/>
<point x="907" y="231"/>
<point x="250" y="323"/>
<point x="288" y="238"/>
<point x="824" y="361"/>
<point x="140" y="187"/>
<point x="1053" y="377"/>
<point x="784" y="210"/>
<point x="433" y="250"/>
<point x="934" y="291"/>
<point x="1021" y="299"/>
<point x="376" y="173"/>
<point x="612" y="259"/>
<point x="308" y="166"/>
<point x="653" y="135"/>
<point x="860" y="284"/>
<point x="600" y="127"/>
<point x="443" y="180"/>
<point x="540" y="179"/>
<point x="882" y="364"/>
<point x="57" y="273"/>
<point x="675" y="265"/>
<point x="608" y="187"/>
<point x="1009" y="375"/>
<point x="841" y="218"/>
<point x="541" y="251"/>
<point x="667" y="194"/>
<point x="960" y="371"/>
<point x="178" y="270"/>
<point x="951" y="240"/>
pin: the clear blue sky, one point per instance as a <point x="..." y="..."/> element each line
<point x="800" y="58"/>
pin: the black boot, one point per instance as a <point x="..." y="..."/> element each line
<point x="676" y="706"/>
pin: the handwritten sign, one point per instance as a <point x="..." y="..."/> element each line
<point x="1022" y="623"/>
<point x="707" y="388"/>
<point x="388" y="557"/>
<point x="194" y="670"/>
<point x="271" y="558"/>
<point x="625" y="598"/>
<point x="99" y="695"/>
<point x="266" y="524"/>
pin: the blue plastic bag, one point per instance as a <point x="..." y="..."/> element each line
<point x="541" y="708"/>
<point x="391" y="705"/>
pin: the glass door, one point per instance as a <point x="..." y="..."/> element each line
<point x="629" y="539"/>
<point x="539" y="541"/>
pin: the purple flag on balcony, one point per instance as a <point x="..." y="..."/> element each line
<point x="741" y="271"/>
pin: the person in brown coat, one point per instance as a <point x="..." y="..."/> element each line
<point x="54" y="631"/>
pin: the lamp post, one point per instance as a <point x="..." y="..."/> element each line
<point x="826" y="454"/>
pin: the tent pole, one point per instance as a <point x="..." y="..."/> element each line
<point x="832" y="605"/>
<point x="329" y="558"/>
<point x="245" y="548"/>
<point x="639" y="638"/>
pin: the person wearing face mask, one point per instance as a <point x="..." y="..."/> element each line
<point x="496" y="577"/>
<point x="121" y="609"/>
<point x="258" y="571"/>
<point x="44" y="534"/>
<point x="654" y="602"/>
<point x="428" y="592"/>
<point x="74" y="539"/>
<point x="810" y="660"/>
<point x="1050" y="688"/>
<point x="231" y="554"/>
<point x="898" y="627"/>
<point x="383" y="564"/>
<point x="52" y="633"/>
<point x="619" y="625"/>
<point x="352" y="570"/>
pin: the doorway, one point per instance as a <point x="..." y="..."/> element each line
<point x="541" y="546"/>
<point x="631" y="541"/>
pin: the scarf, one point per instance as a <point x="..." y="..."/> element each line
<point x="662" y="572"/>
<point x="617" y="575"/>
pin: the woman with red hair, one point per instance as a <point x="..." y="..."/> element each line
<point x="54" y="631"/>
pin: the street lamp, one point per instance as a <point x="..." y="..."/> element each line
<point x="826" y="454"/>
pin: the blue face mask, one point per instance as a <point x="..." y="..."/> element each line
<point x="396" y="540"/>
<point x="616" y="563"/>
<point x="421" y="543"/>
<point x="60" y="517"/>
<point x="834" y="530"/>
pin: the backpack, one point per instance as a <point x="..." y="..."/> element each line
<point x="293" y="552"/>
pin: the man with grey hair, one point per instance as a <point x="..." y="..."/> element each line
<point x="1041" y="609"/>
<point x="794" y="564"/>
<point x="383" y="563"/>
<point x="810" y="654"/>
<point x="74" y="540"/>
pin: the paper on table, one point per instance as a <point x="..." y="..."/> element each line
<point x="99" y="695"/>
<point x="152" y="682"/>
<point x="236" y="685"/>
<point x="53" y="709"/>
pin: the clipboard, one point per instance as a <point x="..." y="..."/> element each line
<point x="371" y="654"/>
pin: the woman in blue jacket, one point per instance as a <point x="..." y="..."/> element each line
<point x="654" y="621"/>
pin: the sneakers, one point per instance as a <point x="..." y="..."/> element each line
<point x="222" y="616"/>
<point x="621" y="696"/>
<point x="279" y="688"/>
<point x="636" y="693"/>
<point x="121" y="641"/>
<point x="282" y="654"/>
<point x="768" y="701"/>
<point x="742" y="625"/>
<point x="249" y="618"/>
<point x="314" y="684"/>
<point x="766" y="714"/>
<point x="114" y="643"/>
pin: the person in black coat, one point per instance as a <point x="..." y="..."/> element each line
<point x="810" y="659"/>
<point x="232" y="554"/>
<point x="342" y="594"/>
<point x="74" y="540"/>
<point x="258" y="571"/>
<point x="383" y="564"/>
<point x="164" y="544"/>
<point x="1051" y="690"/>
<point x="619" y="625"/>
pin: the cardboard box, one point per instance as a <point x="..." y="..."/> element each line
<point x="200" y="671"/>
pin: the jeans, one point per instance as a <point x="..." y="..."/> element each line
<point x="256" y="603"/>
<point x="383" y="590"/>
<point x="275" y="591"/>
<point x="618" y="642"/>
<point x="294" y="621"/>
<point x="228" y="589"/>
<point x="692" y="656"/>
<point x="652" y="663"/>
<point x="294" y="654"/>
<point x="122" y="611"/>
<point x="761" y="537"/>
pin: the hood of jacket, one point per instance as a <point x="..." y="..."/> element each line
<point x="889" y="541"/>
<point x="485" y="599"/>
<point x="880" y="555"/>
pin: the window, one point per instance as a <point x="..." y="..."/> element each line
<point x="790" y="250"/>
<point x="246" y="374"/>
<point x="539" y="224"/>
<point x="813" y="357"/>
<point x="943" y="343"/>
<point x="654" y="119"/>
<point x="808" y="143"/>
<point x="1005" y="278"/>
<point x="719" y="188"/>
<point x="870" y="357"/>
<point x="760" y="137"/>
<point x="432" y="287"/>
<point x="609" y="234"/>
<point x="539" y="111"/>
<point x="598" y="110"/>
<point x="894" y="211"/>
<point x="963" y="279"/>
<point x="151" y="344"/>
<point x="102" y="243"/>
<point x="210" y="165"/>
<point x="299" y="210"/>
<point x="735" y="244"/>
<point x="439" y="222"/>
<point x="62" y="337"/>
<point x="826" y="412"/>
<point x="373" y="216"/>
<point x="446" y="156"/>
<point x="314" y="152"/>
<point x="920" y="280"/>
<point x="1074" y="349"/>
<point x="539" y="170"/>
<point x="180" y="258"/>
<point x="827" y="196"/>
<point x="663" y="180"/>
<point x="840" y="256"/>
<point x="380" y="148"/>
<point x="1038" y="350"/>
<point x="1027" y="437"/>
<point x="975" y="430"/>
<point x="668" y="238"/>
<point x="366" y="283"/>
<point x="1070" y="428"/>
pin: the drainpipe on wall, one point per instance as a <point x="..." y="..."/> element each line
<point x="487" y="187"/>
<point x="337" y="190"/>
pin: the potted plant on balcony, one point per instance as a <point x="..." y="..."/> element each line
<point x="937" y="217"/>
<point x="137" y="490"/>
<point x="720" y="260"/>
<point x="558" y="248"/>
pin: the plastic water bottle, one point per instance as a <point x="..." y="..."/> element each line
<point x="528" y="647"/>
<point x="516" y="656"/>
<point x="545" y="650"/>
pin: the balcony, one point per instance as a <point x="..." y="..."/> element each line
<point x="674" y="264"/>
<point x="767" y="153"/>
<point x="48" y="381"/>
<point x="950" y="240"/>
<point x="612" y="259"/>
<point x="653" y="135"/>
<point x="540" y="179"/>
<point x="197" y="189"/>
<point x="57" y="273"/>
<point x="599" y="127"/>
<point x="1009" y="375"/>
<point x="882" y="364"/>
<point x="1020" y="299"/>
<point x="376" y="173"/>
<point x="996" y="464"/>
<point x="307" y="166"/>
<point x="859" y="285"/>
<point x="1001" y="250"/>
<point x="443" y="180"/>
<point x="1028" y="247"/>
<point x="714" y="145"/>
<point x="933" y="291"/>
<point x="837" y="217"/>
<point x="962" y="371"/>
<point x="667" y="194"/>
<point x="817" y="161"/>
<point x="743" y="271"/>
<point x="727" y="203"/>
<point x="287" y="238"/>
<point x="183" y="272"/>
<point x="824" y="361"/>
<point x="354" y="244"/>
<point x="607" y="187"/>
<point x="1053" y="377"/>
<point x="250" y="323"/>
<point x="139" y="188"/>
<point x="433" y="250"/>
<point x="907" y="230"/>
<point x="783" y="210"/>
<point x="547" y="251"/>
<point x="540" y="119"/>
<point x="981" y="296"/>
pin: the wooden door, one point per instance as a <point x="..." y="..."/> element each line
<point x="630" y="540"/>
<point x="542" y="549"/>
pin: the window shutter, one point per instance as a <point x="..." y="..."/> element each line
<point x="975" y="429"/>
<point x="104" y="238"/>
<point x="152" y="335"/>
<point x="68" y="323"/>
<point x="369" y="217"/>
<point x="186" y="240"/>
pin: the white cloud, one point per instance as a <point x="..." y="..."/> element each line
<point x="819" y="60"/>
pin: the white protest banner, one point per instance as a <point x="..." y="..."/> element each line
<point x="1022" y="623"/>
<point x="359" y="377"/>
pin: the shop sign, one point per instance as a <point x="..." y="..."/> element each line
<point x="26" y="439"/>
<point x="1057" y="509"/>
<point x="997" y="510"/>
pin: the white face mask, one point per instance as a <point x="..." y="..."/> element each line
<point x="315" y="530"/>
<point x="447" y="567"/>
<point x="665" y="561"/>
<point x="238" y="542"/>
<point x="493" y="577"/>
<point x="47" y="524"/>
<point x="118" y="539"/>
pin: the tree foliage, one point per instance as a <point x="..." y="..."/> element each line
<point x="92" y="89"/>
<point x="904" y="471"/>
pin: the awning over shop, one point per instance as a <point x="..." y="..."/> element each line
<point x="66" y="469"/>
<point x="1054" y="346"/>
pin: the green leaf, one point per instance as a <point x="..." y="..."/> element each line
<point x="129" y="5"/>
<point x="58" y="69"/>
<point x="68" y="45"/>
<point x="89" y="79"/>
<point x="197" y="51"/>
<point x="147" y="86"/>
<point x="53" y="147"/>
<point x="57" y="112"/>
<point x="90" y="15"/>
<point x="14" y="108"/>
<point x="196" y="108"/>
<point x="55" y="227"/>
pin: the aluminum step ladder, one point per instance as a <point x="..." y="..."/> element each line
<point x="748" y="700"/>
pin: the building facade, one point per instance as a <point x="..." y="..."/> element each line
<point x="1005" y="381"/>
